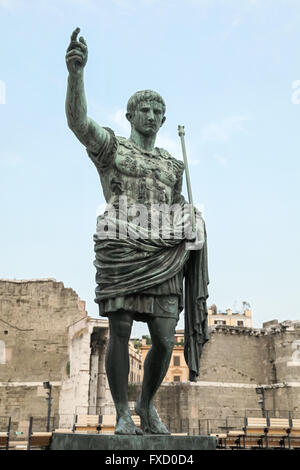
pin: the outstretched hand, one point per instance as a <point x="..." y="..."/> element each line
<point x="77" y="53"/>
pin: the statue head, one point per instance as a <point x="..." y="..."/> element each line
<point x="146" y="111"/>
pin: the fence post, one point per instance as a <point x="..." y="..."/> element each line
<point x="290" y="418"/>
<point x="8" y="433"/>
<point x="29" y="432"/>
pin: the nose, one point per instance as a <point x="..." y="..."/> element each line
<point x="150" y="115"/>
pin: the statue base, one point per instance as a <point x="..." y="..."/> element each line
<point x="107" y="442"/>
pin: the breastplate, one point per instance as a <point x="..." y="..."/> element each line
<point x="143" y="177"/>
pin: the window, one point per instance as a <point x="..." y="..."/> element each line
<point x="176" y="378"/>
<point x="176" y="361"/>
<point x="220" y="322"/>
<point x="240" y="323"/>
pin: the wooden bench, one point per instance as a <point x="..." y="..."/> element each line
<point x="104" y="424"/>
<point x="278" y="426"/>
<point x="5" y="436"/>
<point x="108" y="424"/>
<point x="235" y="437"/>
<point x="295" y="434"/>
<point x="39" y="439"/>
<point x="221" y="440"/>
<point x="256" y="429"/>
<point x="63" y="431"/>
<point x="295" y="429"/>
<point x="18" y="445"/>
<point x="279" y="430"/>
<point x="4" y="440"/>
<point x="87" y="423"/>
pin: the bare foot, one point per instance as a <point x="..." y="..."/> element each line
<point x="125" y="425"/>
<point x="150" y="422"/>
<point x="157" y="427"/>
<point x="143" y="414"/>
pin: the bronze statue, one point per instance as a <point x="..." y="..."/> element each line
<point x="140" y="275"/>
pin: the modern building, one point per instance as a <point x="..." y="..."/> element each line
<point x="135" y="362"/>
<point x="230" y="318"/>
<point x="178" y="370"/>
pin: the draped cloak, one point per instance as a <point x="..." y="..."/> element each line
<point x="133" y="264"/>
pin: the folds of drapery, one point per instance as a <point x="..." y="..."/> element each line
<point x="195" y="319"/>
<point x="131" y="265"/>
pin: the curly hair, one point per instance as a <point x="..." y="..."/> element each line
<point x="144" y="95"/>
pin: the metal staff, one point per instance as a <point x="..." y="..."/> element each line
<point x="181" y="134"/>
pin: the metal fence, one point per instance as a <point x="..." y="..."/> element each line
<point x="206" y="426"/>
<point x="39" y="424"/>
<point x="201" y="426"/>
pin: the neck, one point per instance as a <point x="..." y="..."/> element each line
<point x="145" y="142"/>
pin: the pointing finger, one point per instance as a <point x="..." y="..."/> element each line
<point x="75" y="34"/>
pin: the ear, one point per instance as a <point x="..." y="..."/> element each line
<point x="163" y="120"/>
<point x="128" y="116"/>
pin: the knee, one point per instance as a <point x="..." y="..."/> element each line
<point x="121" y="329"/>
<point x="165" y="344"/>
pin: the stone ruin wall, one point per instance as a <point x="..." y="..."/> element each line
<point x="234" y="362"/>
<point x="85" y="389"/>
<point x="37" y="344"/>
<point x="34" y="320"/>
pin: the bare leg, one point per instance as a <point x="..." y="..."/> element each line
<point x="117" y="369"/>
<point x="155" y="368"/>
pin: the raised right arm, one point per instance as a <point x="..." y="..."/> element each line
<point x="90" y="134"/>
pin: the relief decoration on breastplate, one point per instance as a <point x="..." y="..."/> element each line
<point x="158" y="166"/>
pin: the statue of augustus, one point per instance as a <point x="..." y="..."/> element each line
<point x="144" y="270"/>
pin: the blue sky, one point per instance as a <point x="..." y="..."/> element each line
<point x="226" y="69"/>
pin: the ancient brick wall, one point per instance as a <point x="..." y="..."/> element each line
<point x="34" y="320"/>
<point x="234" y="363"/>
<point x="45" y="335"/>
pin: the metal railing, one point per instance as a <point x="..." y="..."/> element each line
<point x="201" y="426"/>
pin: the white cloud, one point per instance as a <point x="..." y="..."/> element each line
<point x="223" y="130"/>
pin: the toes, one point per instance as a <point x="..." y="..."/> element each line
<point x="127" y="426"/>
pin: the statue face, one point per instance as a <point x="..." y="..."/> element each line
<point x="148" y="117"/>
